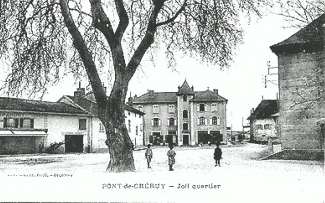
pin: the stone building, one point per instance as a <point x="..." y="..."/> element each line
<point x="185" y="117"/>
<point x="87" y="102"/>
<point x="301" y="62"/>
<point x="263" y="121"/>
<point x="31" y="126"/>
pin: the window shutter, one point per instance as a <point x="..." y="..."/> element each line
<point x="168" y="121"/>
<point x="151" y="122"/>
<point x="4" y="122"/>
<point x="218" y="121"/>
<point x="16" y="122"/>
<point x="175" y="122"/>
<point x="31" y="123"/>
<point x="21" y="122"/>
<point x="159" y="122"/>
<point x="198" y="107"/>
<point x="198" y="121"/>
<point x="206" y="122"/>
<point x="211" y="121"/>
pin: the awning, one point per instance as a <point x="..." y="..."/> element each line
<point x="32" y="133"/>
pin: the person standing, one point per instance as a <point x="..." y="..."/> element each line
<point x="148" y="155"/>
<point x="171" y="157"/>
<point x="217" y="155"/>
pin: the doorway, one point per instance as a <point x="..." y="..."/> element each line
<point x="186" y="140"/>
<point x="73" y="143"/>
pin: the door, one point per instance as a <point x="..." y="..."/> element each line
<point x="73" y="143"/>
<point x="157" y="138"/>
<point x="203" y="137"/>
<point x="186" y="140"/>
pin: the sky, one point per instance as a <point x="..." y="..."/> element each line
<point x="242" y="83"/>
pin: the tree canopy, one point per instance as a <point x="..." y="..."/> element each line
<point x="36" y="45"/>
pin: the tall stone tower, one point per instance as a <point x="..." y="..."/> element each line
<point x="184" y="94"/>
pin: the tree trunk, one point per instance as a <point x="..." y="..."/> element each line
<point x="120" y="149"/>
<point x="118" y="141"/>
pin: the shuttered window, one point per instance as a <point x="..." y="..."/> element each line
<point x="82" y="124"/>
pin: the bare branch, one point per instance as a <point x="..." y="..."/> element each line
<point x="124" y="19"/>
<point x="85" y="55"/>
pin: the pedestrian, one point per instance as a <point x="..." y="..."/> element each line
<point x="171" y="157"/>
<point x="217" y="155"/>
<point x="148" y="155"/>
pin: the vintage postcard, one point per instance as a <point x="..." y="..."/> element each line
<point x="162" y="101"/>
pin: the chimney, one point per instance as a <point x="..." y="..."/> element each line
<point x="150" y="92"/>
<point x="216" y="91"/>
<point x="192" y="88"/>
<point x="80" y="92"/>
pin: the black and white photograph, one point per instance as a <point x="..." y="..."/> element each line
<point x="162" y="101"/>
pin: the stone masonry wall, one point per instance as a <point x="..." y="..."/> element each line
<point x="301" y="88"/>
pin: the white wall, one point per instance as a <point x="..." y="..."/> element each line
<point x="263" y="134"/>
<point x="98" y="138"/>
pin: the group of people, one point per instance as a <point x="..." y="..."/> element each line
<point x="171" y="156"/>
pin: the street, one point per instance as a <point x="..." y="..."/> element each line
<point x="241" y="177"/>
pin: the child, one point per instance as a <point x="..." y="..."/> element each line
<point x="148" y="155"/>
<point x="171" y="157"/>
<point x="217" y="155"/>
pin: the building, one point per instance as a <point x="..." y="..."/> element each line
<point x="185" y="117"/>
<point x="301" y="62"/>
<point x="87" y="102"/>
<point x="263" y="121"/>
<point x="31" y="126"/>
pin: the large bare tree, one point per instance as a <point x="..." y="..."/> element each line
<point x="36" y="36"/>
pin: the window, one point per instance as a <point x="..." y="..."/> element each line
<point x="171" y="122"/>
<point x="141" y="127"/>
<point x="201" y="121"/>
<point x="11" y="123"/>
<point x="129" y="126"/>
<point x="185" y="126"/>
<point x="185" y="98"/>
<point x="267" y="126"/>
<point x="26" y="123"/>
<point x="156" y="122"/>
<point x="202" y="107"/>
<point x="213" y="107"/>
<point x="82" y="124"/>
<point x="136" y="130"/>
<point x="214" y="120"/>
<point x="185" y="114"/>
<point x="101" y="128"/>
<point x="171" y="108"/>
<point x="155" y="108"/>
<point x="259" y="127"/>
<point x="140" y="108"/>
<point x="129" y="113"/>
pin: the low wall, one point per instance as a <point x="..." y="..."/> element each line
<point x="317" y="155"/>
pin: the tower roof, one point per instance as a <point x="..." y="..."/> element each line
<point x="308" y="38"/>
<point x="185" y="89"/>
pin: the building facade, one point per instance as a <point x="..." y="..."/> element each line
<point x="31" y="126"/>
<point x="263" y="121"/>
<point x="185" y="117"/>
<point x="87" y="102"/>
<point x="301" y="62"/>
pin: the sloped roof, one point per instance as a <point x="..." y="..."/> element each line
<point x="171" y="97"/>
<point x="208" y="96"/>
<point x="88" y="102"/>
<point x="185" y="89"/>
<point x="156" y="97"/>
<point x="307" y="38"/>
<point x="16" y="104"/>
<point x="265" y="109"/>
